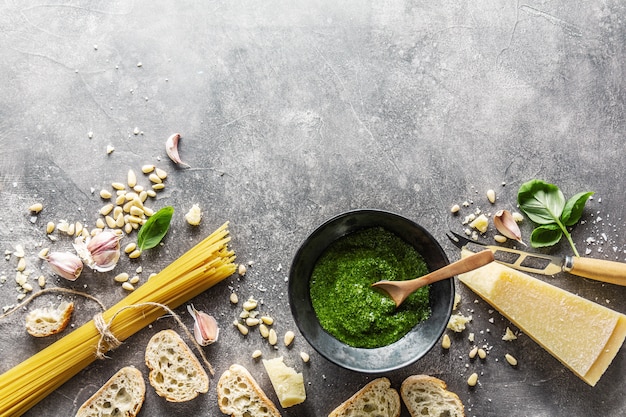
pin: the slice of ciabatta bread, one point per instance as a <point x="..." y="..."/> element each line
<point x="239" y="395"/>
<point x="175" y="372"/>
<point x="376" y="399"/>
<point x="121" y="396"/>
<point x="47" y="321"/>
<point x="426" y="395"/>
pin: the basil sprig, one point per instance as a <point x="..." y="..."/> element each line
<point x="155" y="228"/>
<point x="546" y="206"/>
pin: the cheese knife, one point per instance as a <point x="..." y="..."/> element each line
<point x="538" y="263"/>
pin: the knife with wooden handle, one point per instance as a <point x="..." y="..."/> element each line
<point x="596" y="269"/>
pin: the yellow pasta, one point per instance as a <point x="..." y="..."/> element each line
<point x="203" y="266"/>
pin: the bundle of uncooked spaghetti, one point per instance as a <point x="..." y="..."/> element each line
<point x="203" y="266"/>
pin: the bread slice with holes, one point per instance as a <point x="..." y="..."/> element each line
<point x="46" y="321"/>
<point x="426" y="395"/>
<point x="175" y="372"/>
<point x="239" y="395"/>
<point x="121" y="396"/>
<point x="376" y="399"/>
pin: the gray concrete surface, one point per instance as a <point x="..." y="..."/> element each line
<point x="292" y="112"/>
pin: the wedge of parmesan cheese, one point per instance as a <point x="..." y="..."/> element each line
<point x="581" y="334"/>
<point x="288" y="384"/>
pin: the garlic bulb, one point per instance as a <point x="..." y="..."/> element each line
<point x="100" y="252"/>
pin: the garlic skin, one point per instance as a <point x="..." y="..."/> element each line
<point x="205" y="329"/>
<point x="171" y="148"/>
<point x="504" y="221"/>
<point x="65" y="264"/>
<point x="100" y="252"/>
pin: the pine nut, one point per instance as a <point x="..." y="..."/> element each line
<point x="106" y="194"/>
<point x="130" y="247"/>
<point x="100" y="223"/>
<point x="50" y="227"/>
<point x="105" y="210"/>
<point x="161" y="173"/>
<point x="250" y="304"/>
<point x="510" y="359"/>
<point x="482" y="354"/>
<point x="499" y="238"/>
<point x="242" y="329"/>
<point x="473" y="352"/>
<point x="273" y="337"/>
<point x="289" y="336"/>
<point x="146" y="169"/>
<point x="251" y="322"/>
<point x="134" y="280"/>
<point x="121" y="277"/>
<point x="472" y="380"/>
<point x="455" y="208"/>
<point x="36" y="208"/>
<point x="155" y="179"/>
<point x="305" y="357"/>
<point x="445" y="343"/>
<point x="120" y="199"/>
<point x="491" y="196"/>
<point x="131" y="178"/>
<point x="118" y="186"/>
<point x="151" y="193"/>
<point x="128" y="286"/>
<point x="264" y="330"/>
<point x="135" y="254"/>
<point x="233" y="298"/>
<point x="21" y="265"/>
<point x="128" y="228"/>
<point x="267" y="320"/>
<point x="41" y="281"/>
<point x="158" y="186"/>
<point x="256" y="354"/>
<point x="242" y="270"/>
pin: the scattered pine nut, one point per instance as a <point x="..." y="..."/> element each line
<point x="242" y="329"/>
<point x="36" y="208"/>
<point x="517" y="217"/>
<point x="250" y="304"/>
<point x="105" y="194"/>
<point x="472" y="380"/>
<point x="264" y="330"/>
<point x="110" y="149"/>
<point x="289" y="336"/>
<point x="155" y="179"/>
<point x="455" y="209"/>
<point x="43" y="253"/>
<point x="50" y="227"/>
<point x="160" y="173"/>
<point x="121" y="277"/>
<point x="256" y="354"/>
<point x="128" y="286"/>
<point x="233" y="298"/>
<point x="273" y="337"/>
<point x="158" y="186"/>
<point x="491" y="196"/>
<point x="131" y="178"/>
<point x="267" y="320"/>
<point x="134" y="280"/>
<point x="251" y="321"/>
<point x="118" y="186"/>
<point x="510" y="359"/>
<point x="41" y="281"/>
<point x="305" y="357"/>
<point x="21" y="265"/>
<point x="242" y="270"/>
<point x="135" y="254"/>
<point x="106" y="209"/>
<point x="100" y="223"/>
<point x="473" y="352"/>
<point x="146" y="169"/>
<point x="482" y="354"/>
<point x="445" y="342"/>
<point x="499" y="238"/>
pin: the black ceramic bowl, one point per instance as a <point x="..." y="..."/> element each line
<point x="417" y="342"/>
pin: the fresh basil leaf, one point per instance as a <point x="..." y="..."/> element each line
<point x="155" y="228"/>
<point x="574" y="208"/>
<point x="546" y="235"/>
<point x="542" y="202"/>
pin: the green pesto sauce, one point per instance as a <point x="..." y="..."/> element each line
<point x="344" y="301"/>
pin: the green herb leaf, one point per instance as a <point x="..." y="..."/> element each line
<point x="574" y="208"/>
<point x="542" y="202"/>
<point x="546" y="235"/>
<point x="153" y="230"/>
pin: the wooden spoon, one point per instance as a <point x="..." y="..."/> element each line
<point x="400" y="290"/>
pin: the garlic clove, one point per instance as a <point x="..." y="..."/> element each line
<point x="171" y="147"/>
<point x="205" y="329"/>
<point x="65" y="264"/>
<point x="100" y="252"/>
<point x="504" y="221"/>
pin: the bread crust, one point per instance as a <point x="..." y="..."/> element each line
<point x="224" y="385"/>
<point x="374" y="386"/>
<point x="152" y="357"/>
<point x="127" y="375"/>
<point x="439" y="394"/>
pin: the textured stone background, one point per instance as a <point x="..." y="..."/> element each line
<point x="292" y="112"/>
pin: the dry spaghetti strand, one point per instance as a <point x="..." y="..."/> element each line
<point x="203" y="266"/>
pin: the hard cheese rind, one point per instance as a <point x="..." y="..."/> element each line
<point x="583" y="335"/>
